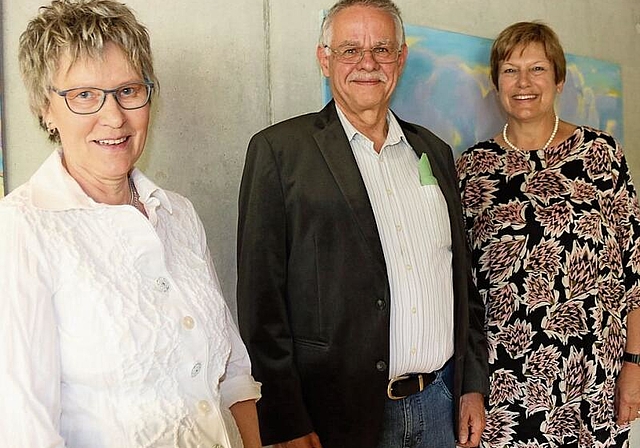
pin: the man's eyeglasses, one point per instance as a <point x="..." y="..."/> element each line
<point x="89" y="100"/>
<point x="352" y="55"/>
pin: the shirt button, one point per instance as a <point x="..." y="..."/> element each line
<point x="188" y="322"/>
<point x="381" y="366"/>
<point x="414" y="310"/>
<point x="162" y="284"/>
<point x="196" y="369"/>
<point x="389" y="192"/>
<point x="409" y="267"/>
<point x="398" y="227"/>
<point x="380" y="304"/>
<point x="204" y="406"/>
<point x="413" y="351"/>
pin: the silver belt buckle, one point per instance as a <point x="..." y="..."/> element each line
<point x="400" y="378"/>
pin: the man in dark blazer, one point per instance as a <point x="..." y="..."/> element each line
<point x="314" y="294"/>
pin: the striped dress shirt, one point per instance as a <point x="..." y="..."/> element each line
<point x="414" y="229"/>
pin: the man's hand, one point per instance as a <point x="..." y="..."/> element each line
<point x="628" y="394"/>
<point x="309" y="441"/>
<point x="472" y="419"/>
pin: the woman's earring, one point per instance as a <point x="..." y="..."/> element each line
<point x="51" y="129"/>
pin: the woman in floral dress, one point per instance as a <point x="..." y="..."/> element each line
<point x="552" y="219"/>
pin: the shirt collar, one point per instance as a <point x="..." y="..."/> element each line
<point x="53" y="188"/>
<point x="394" y="134"/>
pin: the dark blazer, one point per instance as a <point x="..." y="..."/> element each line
<point x="313" y="294"/>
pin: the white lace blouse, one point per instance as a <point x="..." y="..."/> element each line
<point x="113" y="329"/>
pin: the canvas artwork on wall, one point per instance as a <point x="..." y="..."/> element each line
<point x="446" y="88"/>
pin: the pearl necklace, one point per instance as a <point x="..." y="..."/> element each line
<point x="546" y="145"/>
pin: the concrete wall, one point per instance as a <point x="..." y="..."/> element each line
<point x="228" y="69"/>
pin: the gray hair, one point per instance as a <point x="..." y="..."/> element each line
<point x="79" y="29"/>
<point x="383" y="5"/>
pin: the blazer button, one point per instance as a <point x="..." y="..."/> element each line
<point x="381" y="366"/>
<point x="380" y="304"/>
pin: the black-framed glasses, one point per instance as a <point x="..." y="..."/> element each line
<point x="89" y="100"/>
<point x="382" y="54"/>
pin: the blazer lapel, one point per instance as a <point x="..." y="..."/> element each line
<point x="337" y="153"/>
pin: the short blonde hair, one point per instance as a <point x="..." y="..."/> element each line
<point x="523" y="34"/>
<point x="79" y="29"/>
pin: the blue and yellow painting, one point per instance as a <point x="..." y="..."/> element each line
<point x="446" y="87"/>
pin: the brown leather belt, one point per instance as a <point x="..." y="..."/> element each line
<point x="402" y="386"/>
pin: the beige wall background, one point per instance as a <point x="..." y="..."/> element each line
<point x="229" y="69"/>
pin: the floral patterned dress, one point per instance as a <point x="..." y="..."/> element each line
<point x="554" y="238"/>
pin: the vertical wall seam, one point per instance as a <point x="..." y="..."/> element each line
<point x="268" y="63"/>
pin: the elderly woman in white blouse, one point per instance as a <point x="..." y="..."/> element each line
<point x="113" y="328"/>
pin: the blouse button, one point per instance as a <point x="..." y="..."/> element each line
<point x="204" y="406"/>
<point x="196" y="369"/>
<point x="162" y="284"/>
<point x="188" y="322"/>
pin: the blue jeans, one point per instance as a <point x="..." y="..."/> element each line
<point x="422" y="420"/>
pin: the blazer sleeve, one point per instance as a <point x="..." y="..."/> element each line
<point x="262" y="295"/>
<point x="476" y="377"/>
<point x="476" y="366"/>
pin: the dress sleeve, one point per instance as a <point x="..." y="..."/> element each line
<point x="29" y="355"/>
<point x="628" y="229"/>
